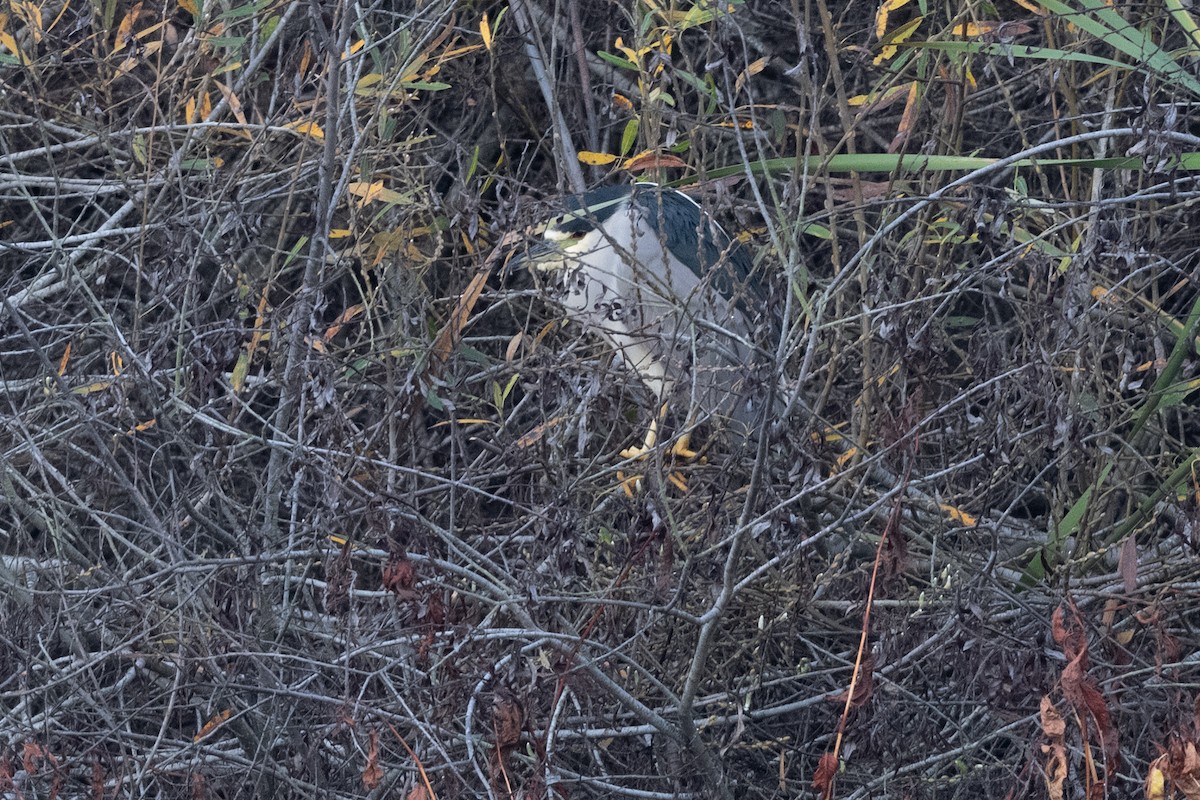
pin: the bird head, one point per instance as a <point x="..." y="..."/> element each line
<point x="581" y="228"/>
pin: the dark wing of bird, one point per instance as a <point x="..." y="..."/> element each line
<point x="701" y="244"/>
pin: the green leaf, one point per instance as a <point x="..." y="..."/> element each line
<point x="508" y="387"/>
<point x="425" y="86"/>
<point x="473" y="165"/>
<point x="616" y="60"/>
<point x="1170" y="373"/>
<point x="1184" y="20"/>
<point x="248" y="10"/>
<point x="196" y="164"/>
<point x="227" y="42"/>
<point x="629" y="137"/>
<point x="1016" y="51"/>
<point x="268" y="28"/>
<point x="1103" y="22"/>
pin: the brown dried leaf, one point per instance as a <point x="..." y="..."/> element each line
<point x="1053" y="726"/>
<point x="450" y="334"/>
<point x="648" y="159"/>
<point x="907" y="119"/>
<point x="822" y="780"/>
<point x="1177" y="769"/>
<point x="33" y="755"/>
<point x="508" y="719"/>
<point x="1054" y="769"/>
<point x="1079" y="687"/>
<point x="399" y="574"/>
<point x="863" y="688"/>
<point x="98" y="791"/>
<point x="1127" y="564"/>
<point x="372" y="773"/>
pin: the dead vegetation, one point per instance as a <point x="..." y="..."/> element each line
<point x="303" y="496"/>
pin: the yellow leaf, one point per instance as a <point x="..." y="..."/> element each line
<point x="125" y="29"/>
<point x="1028" y="5"/>
<point x="366" y="192"/>
<point x="345" y="317"/>
<point x="958" y="515"/>
<point x="485" y="32"/>
<point x="145" y="33"/>
<point x="881" y="16"/>
<point x="10" y="44"/>
<point x="190" y="7"/>
<point x="596" y="159"/>
<point x="876" y="101"/>
<point x="973" y="29"/>
<point x="306" y="57"/>
<point x="510" y="352"/>
<point x="371" y="192"/>
<point x="459" y="51"/>
<point x="235" y="107"/>
<point x="62" y="362"/>
<point x="307" y="128"/>
<point x="339" y="233"/>
<point x="213" y="723"/>
<point x="392" y="196"/>
<point x="749" y="72"/>
<point x="534" y="436"/>
<point x="141" y="426"/>
<point x="92" y="388"/>
<point x="32" y="16"/>
<point x="450" y="334"/>
<point x="905" y="31"/>
<point x="634" y="56"/>
<point x="648" y="159"/>
<point x="370" y="79"/>
<point x="908" y="117"/>
<point x="1156" y="779"/>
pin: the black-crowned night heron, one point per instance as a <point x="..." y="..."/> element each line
<point x="657" y="278"/>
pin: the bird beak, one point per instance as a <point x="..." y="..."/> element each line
<point x="538" y="254"/>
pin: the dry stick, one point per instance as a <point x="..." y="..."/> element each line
<point x="50" y="282"/>
<point x="298" y="321"/>
<point x="585" y="82"/>
<point x="712" y="619"/>
<point x="564" y="149"/>
<point x="934" y="197"/>
<point x="892" y="524"/>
